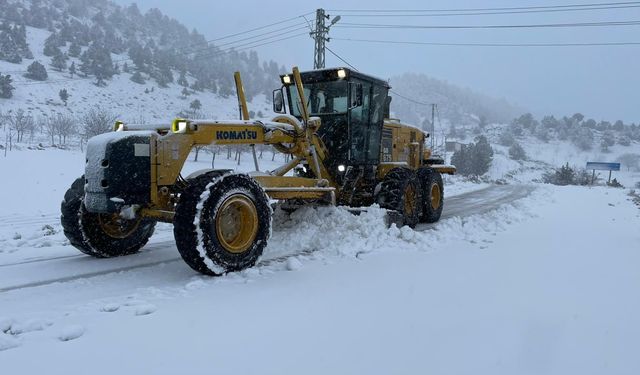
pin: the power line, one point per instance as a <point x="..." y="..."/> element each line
<point x="341" y="59"/>
<point x="409" y="99"/>
<point x="391" y="91"/>
<point x="249" y="45"/>
<point x="523" y="26"/>
<point x="189" y="50"/>
<point x="261" y="27"/>
<point x="485" y="13"/>
<point x="488" y="9"/>
<point x="294" y="27"/>
<point x="490" y="44"/>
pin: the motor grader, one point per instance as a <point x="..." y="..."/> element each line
<point x="344" y="150"/>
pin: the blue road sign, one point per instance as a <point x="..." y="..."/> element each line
<point x="598" y="166"/>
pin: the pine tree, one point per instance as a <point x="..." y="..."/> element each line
<point x="474" y="159"/>
<point x="13" y="43"/>
<point x="37" y="72"/>
<point x="6" y="89"/>
<point x="59" y="61"/>
<point x="516" y="152"/>
<point x="461" y="159"/>
<point x="137" y="78"/>
<point x="195" y="105"/>
<point x="64" y="96"/>
<point x="74" y="49"/>
<point x="51" y="45"/>
<point x="72" y="69"/>
<point x="483" y="155"/>
<point x="565" y="175"/>
<point x="182" y="81"/>
<point x="96" y="60"/>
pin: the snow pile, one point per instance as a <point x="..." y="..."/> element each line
<point x="71" y="333"/>
<point x="324" y="232"/>
<point x="8" y="342"/>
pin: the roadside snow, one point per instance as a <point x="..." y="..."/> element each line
<point x="545" y="285"/>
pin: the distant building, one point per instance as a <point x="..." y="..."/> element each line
<point x="453" y="146"/>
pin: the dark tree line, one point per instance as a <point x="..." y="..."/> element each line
<point x="583" y="133"/>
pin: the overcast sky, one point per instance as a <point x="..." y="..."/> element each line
<point x="601" y="82"/>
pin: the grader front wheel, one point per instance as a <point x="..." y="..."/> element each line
<point x="101" y="235"/>
<point x="222" y="223"/>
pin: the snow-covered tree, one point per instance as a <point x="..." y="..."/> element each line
<point x="21" y="122"/>
<point x="75" y="50"/>
<point x="59" y="61"/>
<point x="96" y="60"/>
<point x="629" y="161"/>
<point x="97" y="121"/>
<point x="516" y="152"/>
<point x="64" y="96"/>
<point x="37" y="72"/>
<point x="6" y="88"/>
<point x="474" y="159"/>
<point x="51" y="45"/>
<point x="607" y="141"/>
<point x="137" y="78"/>
<point x="195" y="105"/>
<point x="583" y="138"/>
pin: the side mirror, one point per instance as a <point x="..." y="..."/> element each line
<point x="278" y="101"/>
<point x="356" y="95"/>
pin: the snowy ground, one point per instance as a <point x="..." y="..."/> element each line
<point x="513" y="280"/>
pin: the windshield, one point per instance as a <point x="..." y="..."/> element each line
<point x="322" y="98"/>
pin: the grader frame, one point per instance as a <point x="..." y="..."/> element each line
<point x="117" y="213"/>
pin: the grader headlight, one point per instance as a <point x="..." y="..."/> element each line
<point x="342" y="74"/>
<point x="180" y="126"/>
<point x="119" y="126"/>
<point x="286" y="79"/>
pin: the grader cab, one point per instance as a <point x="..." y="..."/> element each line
<point x="345" y="150"/>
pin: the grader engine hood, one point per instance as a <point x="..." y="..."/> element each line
<point x="118" y="170"/>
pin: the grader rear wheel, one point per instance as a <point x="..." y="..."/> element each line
<point x="433" y="195"/>
<point x="400" y="192"/>
<point x="222" y="223"/>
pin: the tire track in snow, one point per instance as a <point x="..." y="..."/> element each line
<point x="467" y="204"/>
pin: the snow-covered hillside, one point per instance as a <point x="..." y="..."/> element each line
<point x="128" y="100"/>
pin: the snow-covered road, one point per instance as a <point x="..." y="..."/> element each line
<point x="161" y="253"/>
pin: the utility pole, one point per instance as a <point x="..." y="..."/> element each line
<point x="433" y="124"/>
<point x="320" y="36"/>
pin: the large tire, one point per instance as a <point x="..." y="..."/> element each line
<point x="400" y="191"/>
<point x="432" y="195"/>
<point x="101" y="235"/>
<point x="207" y="226"/>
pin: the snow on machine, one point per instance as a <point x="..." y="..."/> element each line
<point x="345" y="150"/>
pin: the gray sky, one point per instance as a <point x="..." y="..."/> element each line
<point x="601" y="82"/>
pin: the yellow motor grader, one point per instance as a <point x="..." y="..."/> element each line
<point x="344" y="148"/>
